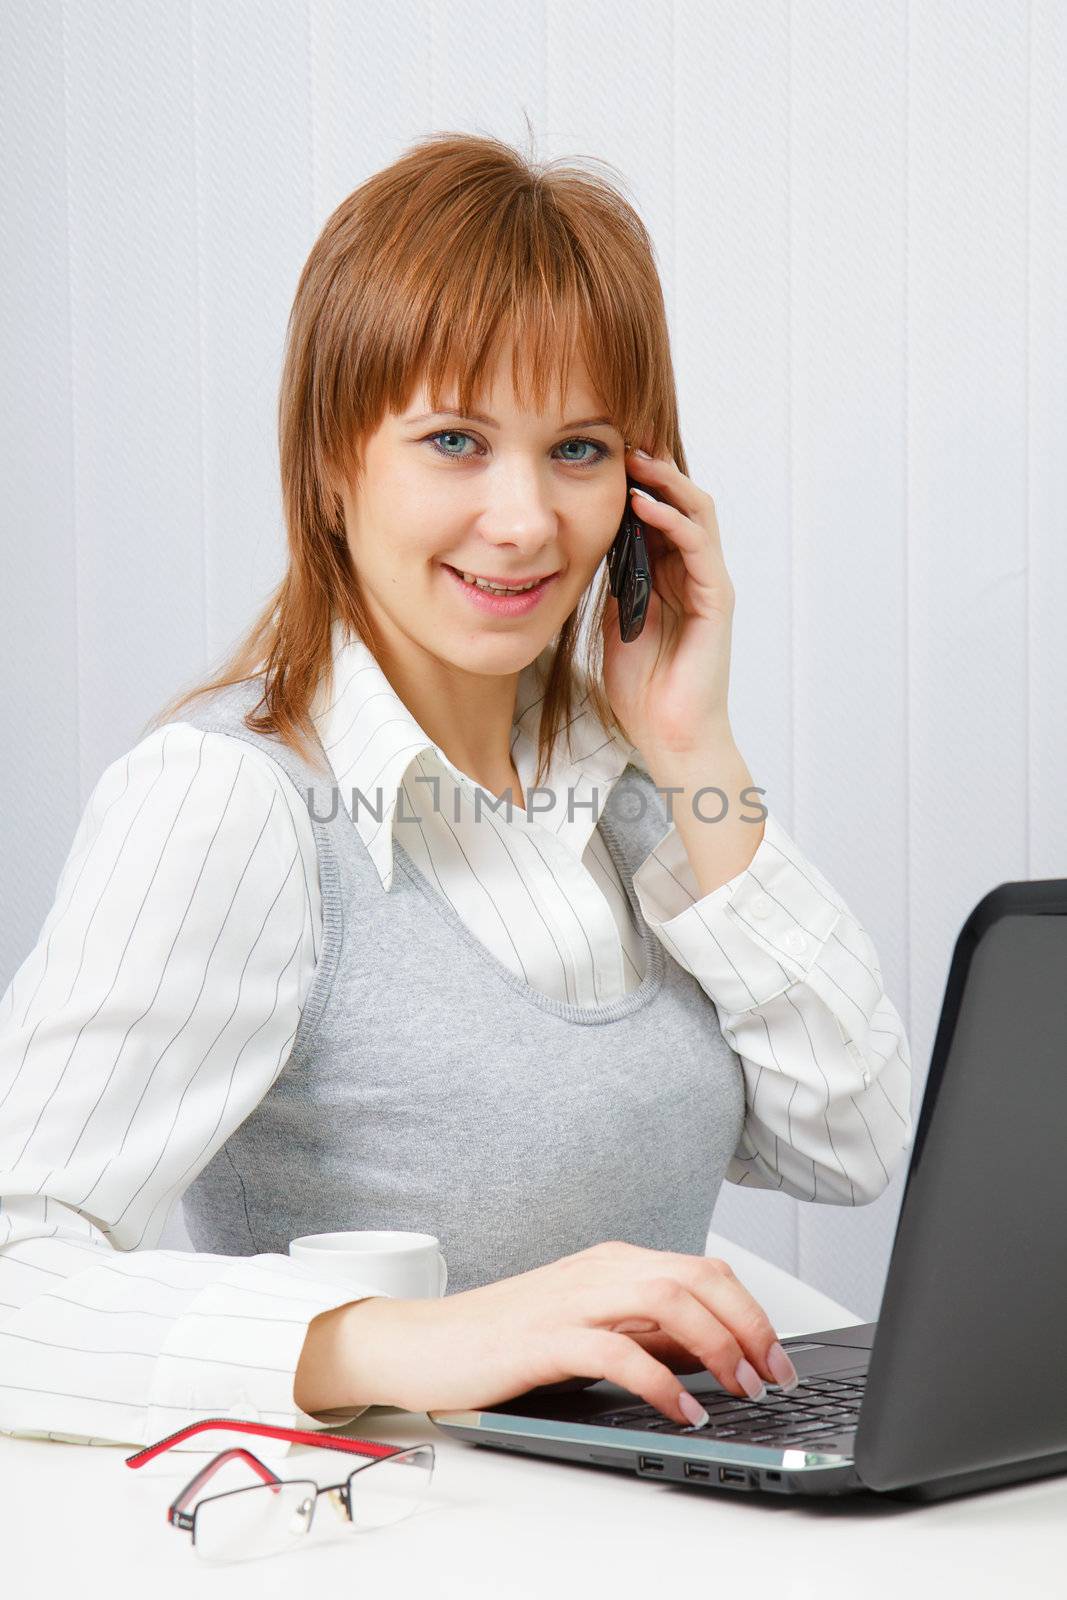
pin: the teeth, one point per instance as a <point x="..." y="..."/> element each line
<point x="496" y="588"/>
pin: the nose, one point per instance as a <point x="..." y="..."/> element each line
<point x="519" y="515"/>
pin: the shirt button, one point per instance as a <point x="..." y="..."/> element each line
<point x="796" y="942"/>
<point x="761" y="906"/>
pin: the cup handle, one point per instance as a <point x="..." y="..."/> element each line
<point x="443" y="1274"/>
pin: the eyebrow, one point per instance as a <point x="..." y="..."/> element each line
<point x="478" y="416"/>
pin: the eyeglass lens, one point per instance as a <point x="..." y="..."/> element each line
<point x="390" y="1489"/>
<point x="267" y="1518"/>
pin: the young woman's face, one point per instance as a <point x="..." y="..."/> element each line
<point x="522" y="496"/>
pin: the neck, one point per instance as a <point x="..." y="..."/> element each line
<point x="468" y="715"/>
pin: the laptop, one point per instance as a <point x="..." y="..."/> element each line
<point x="961" y="1382"/>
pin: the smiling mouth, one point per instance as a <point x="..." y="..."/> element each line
<point x="513" y="603"/>
<point x="503" y="583"/>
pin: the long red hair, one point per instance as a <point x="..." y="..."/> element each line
<point x="423" y="273"/>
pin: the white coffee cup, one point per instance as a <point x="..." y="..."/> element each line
<point x="409" y="1266"/>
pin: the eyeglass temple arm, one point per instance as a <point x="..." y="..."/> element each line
<point x="209" y="1471"/>
<point x="263" y="1430"/>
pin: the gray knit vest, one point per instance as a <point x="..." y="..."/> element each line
<point x="430" y="1088"/>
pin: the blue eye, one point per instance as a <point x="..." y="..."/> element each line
<point x="454" y="455"/>
<point x="589" y="461"/>
<point x="449" y="433"/>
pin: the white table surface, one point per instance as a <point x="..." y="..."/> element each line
<point x="75" y="1520"/>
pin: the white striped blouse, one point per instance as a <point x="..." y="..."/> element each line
<point x="162" y="996"/>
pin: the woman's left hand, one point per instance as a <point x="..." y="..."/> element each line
<point x="669" y="685"/>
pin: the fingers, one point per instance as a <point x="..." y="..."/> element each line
<point x="708" y="1311"/>
<point x="667" y="1350"/>
<point x="664" y="473"/>
<point x="596" y="1352"/>
<point x="719" y="1287"/>
<point x="686" y="1316"/>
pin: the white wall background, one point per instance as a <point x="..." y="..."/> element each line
<point x="860" y="215"/>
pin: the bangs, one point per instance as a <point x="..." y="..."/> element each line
<point x="544" y="342"/>
<point x="523" y="288"/>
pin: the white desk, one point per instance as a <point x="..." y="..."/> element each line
<point x="77" y="1521"/>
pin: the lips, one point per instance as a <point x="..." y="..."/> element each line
<point x="507" y="583"/>
<point x="501" y="605"/>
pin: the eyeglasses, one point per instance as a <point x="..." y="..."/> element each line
<point x="275" y="1514"/>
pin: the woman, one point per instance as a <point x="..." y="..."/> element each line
<point x="366" y="936"/>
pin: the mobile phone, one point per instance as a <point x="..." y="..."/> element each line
<point x="630" y="568"/>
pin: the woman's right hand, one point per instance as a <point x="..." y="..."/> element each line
<point x="572" y="1318"/>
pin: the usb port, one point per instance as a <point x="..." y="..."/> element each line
<point x="732" y="1475"/>
<point x="697" y="1469"/>
<point x="650" y="1463"/>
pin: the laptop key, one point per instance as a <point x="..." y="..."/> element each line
<point x="754" y="1431"/>
<point x="805" y="1430"/>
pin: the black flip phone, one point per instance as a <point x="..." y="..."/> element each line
<point x="630" y="568"/>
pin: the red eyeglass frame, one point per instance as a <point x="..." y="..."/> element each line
<point x="178" y="1517"/>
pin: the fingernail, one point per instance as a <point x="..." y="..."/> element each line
<point x="783" y="1369"/>
<point x="692" y="1408"/>
<point x="750" y="1380"/>
<point x="643" y="454"/>
<point x="635" y="490"/>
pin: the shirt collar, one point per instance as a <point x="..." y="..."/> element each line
<point x="370" y="739"/>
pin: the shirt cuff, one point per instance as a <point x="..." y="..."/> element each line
<point x="235" y="1350"/>
<point x="752" y="937"/>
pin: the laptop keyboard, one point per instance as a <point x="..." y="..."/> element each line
<point x="818" y="1408"/>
